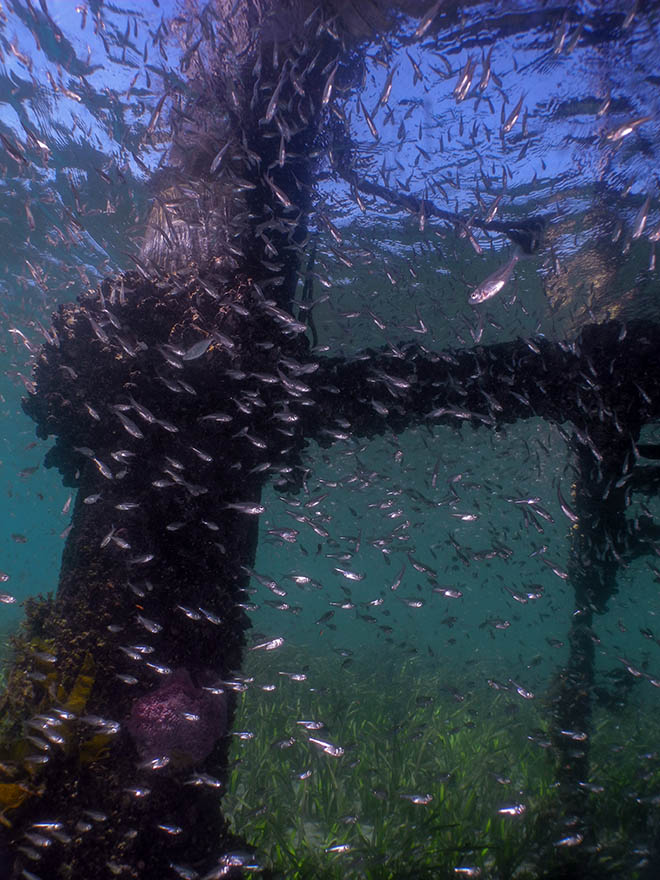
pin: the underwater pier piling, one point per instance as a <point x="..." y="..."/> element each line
<point x="175" y="393"/>
<point x="149" y="600"/>
<point x="600" y="540"/>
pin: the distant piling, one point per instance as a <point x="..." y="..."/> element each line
<point x="175" y="393"/>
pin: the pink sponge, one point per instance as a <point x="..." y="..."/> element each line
<point x="178" y="721"/>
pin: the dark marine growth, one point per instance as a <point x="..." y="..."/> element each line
<point x="177" y="391"/>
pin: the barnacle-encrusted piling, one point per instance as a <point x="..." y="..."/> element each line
<point x="174" y="393"/>
<point x="150" y="592"/>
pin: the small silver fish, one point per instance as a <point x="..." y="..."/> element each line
<point x="466" y="75"/>
<point x="129" y="425"/>
<point x="495" y="282"/>
<point x="327" y="747"/>
<point x="149" y="625"/>
<point x="350" y="575"/>
<point x="155" y="763"/>
<point x="170" y="829"/>
<point x="513" y="116"/>
<point x="247" y="507"/>
<point x="269" y="646"/>
<point x="423" y="799"/>
<point x="512" y="810"/>
<point x="627" y="128"/>
<point x="103" y="469"/>
<point x="327" y="91"/>
<point x="387" y="89"/>
<point x="604" y="106"/>
<point x="427" y="20"/>
<point x="339" y="848"/>
<point x="486" y="74"/>
<point x="570" y="840"/>
<point x="370" y="123"/>
<point x="143" y="412"/>
<point x="197" y="349"/>
<point x="641" y="218"/>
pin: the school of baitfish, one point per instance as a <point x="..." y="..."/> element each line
<point x="266" y="211"/>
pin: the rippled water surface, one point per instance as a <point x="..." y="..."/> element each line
<point x="414" y="599"/>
